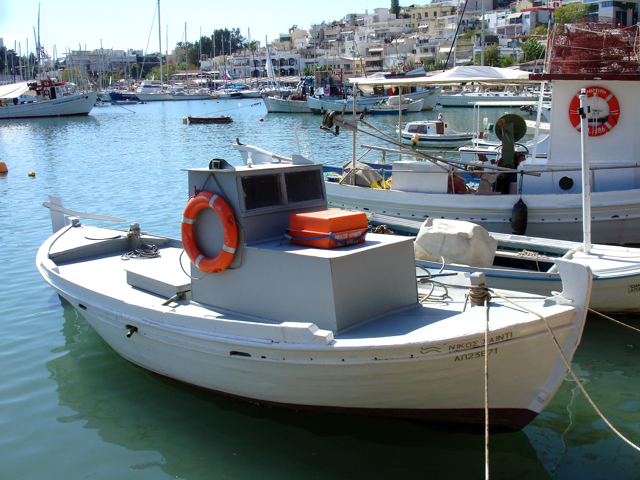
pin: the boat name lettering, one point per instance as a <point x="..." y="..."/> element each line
<point x="480" y="343"/>
<point x="480" y="354"/>
<point x="634" y="288"/>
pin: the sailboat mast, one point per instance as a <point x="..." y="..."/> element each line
<point x="160" y="43"/>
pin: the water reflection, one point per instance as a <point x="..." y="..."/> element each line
<point x="201" y="435"/>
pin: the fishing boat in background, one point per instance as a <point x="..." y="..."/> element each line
<point x="390" y="347"/>
<point x="43" y="98"/>
<point x="296" y="103"/>
<point x="321" y="104"/>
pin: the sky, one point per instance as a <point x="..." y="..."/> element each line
<point x="124" y="24"/>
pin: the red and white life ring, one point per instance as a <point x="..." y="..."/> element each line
<point x="230" y="233"/>
<point x="604" y="108"/>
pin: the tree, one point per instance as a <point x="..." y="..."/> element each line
<point x="395" y="7"/>
<point x="570" y="13"/>
<point x="506" y="62"/>
<point x="532" y="49"/>
<point x="492" y="56"/>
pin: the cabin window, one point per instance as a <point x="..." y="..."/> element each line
<point x="261" y="191"/>
<point x="303" y="186"/>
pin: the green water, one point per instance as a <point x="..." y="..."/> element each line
<point x="70" y="408"/>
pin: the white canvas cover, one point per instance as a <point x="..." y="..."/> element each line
<point x="13" y="90"/>
<point x="464" y="243"/>
<point x="479" y="75"/>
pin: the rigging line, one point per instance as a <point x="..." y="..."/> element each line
<point x="146" y="50"/>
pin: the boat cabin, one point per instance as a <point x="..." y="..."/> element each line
<point x="332" y="288"/>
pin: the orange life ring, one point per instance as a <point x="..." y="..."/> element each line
<point x="230" y="237"/>
<point x="604" y="123"/>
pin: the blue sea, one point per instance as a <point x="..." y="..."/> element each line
<point x="70" y="408"/>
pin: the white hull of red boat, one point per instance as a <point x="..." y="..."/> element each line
<point x="67" y="106"/>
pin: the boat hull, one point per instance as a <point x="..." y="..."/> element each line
<point x="71" y="105"/>
<point x="434" y="388"/>
<point x="615" y="215"/>
<point x="281" y="105"/>
<point x="154" y="97"/>
<point x="431" y="377"/>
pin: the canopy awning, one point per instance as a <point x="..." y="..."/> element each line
<point x="514" y="15"/>
<point x="13" y="90"/>
<point x="472" y="75"/>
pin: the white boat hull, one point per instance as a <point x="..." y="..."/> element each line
<point x="615" y="214"/>
<point x="154" y="97"/>
<point x="430" y="97"/>
<point x="67" y="106"/>
<point x="420" y="374"/>
<point x="470" y="99"/>
<point x="281" y="105"/>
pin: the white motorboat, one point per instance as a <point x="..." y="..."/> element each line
<point x="275" y="321"/>
<point x="290" y="104"/>
<point x="433" y="133"/>
<point x="522" y="263"/>
<point x="43" y="98"/>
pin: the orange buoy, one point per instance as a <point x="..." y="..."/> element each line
<point x="3" y="168"/>
<point x="262" y="119"/>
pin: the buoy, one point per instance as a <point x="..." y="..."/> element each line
<point x="32" y="174"/>
<point x="519" y="216"/>
<point x="184" y="120"/>
<point x="3" y="167"/>
<point x="262" y="119"/>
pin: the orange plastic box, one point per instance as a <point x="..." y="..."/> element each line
<point x="328" y="228"/>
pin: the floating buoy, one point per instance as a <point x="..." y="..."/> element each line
<point x="519" y="216"/>
<point x="3" y="167"/>
<point x="184" y="120"/>
<point x="32" y="174"/>
<point x="262" y="119"/>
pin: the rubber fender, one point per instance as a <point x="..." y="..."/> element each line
<point x="519" y="218"/>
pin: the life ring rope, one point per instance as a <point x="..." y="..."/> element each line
<point x="230" y="233"/>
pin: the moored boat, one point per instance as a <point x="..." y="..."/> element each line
<point x="43" y="98"/>
<point x="387" y="348"/>
<point x="220" y="119"/>
<point x="433" y="133"/>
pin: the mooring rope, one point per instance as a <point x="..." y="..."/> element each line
<point x="614" y="320"/>
<point x="568" y="364"/>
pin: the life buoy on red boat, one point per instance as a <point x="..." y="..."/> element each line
<point x="45" y="92"/>
<point x="600" y="100"/>
<point x="230" y="233"/>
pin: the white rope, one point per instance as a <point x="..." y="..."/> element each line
<point x="575" y="377"/>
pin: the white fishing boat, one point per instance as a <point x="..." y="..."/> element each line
<point x="390" y="105"/>
<point x="550" y="185"/>
<point x="495" y="99"/>
<point x="433" y="133"/>
<point x="453" y="250"/>
<point x="289" y="104"/>
<point x="320" y="104"/>
<point x="330" y="329"/>
<point x="43" y="98"/>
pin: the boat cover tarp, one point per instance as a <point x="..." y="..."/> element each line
<point x="455" y="241"/>
<point x="479" y="75"/>
<point x="365" y="175"/>
<point x="13" y="90"/>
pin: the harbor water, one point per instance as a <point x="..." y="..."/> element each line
<point x="71" y="408"/>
